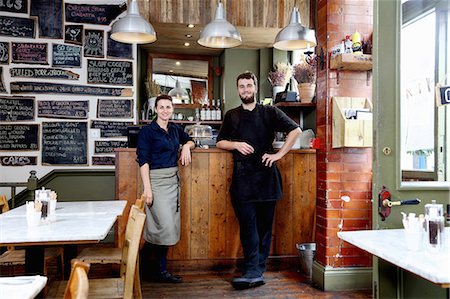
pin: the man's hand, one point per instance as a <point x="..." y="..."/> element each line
<point x="268" y="159"/>
<point x="244" y="148"/>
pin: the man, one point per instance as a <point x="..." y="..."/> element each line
<point x="248" y="131"/>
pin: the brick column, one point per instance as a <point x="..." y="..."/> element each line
<point x="341" y="172"/>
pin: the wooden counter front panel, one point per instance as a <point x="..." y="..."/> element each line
<point x="209" y="228"/>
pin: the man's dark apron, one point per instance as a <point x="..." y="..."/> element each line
<point x="252" y="180"/>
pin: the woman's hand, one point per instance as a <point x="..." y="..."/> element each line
<point x="185" y="156"/>
<point x="268" y="159"/>
<point x="148" y="196"/>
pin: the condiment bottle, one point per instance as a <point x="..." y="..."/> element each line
<point x="434" y="216"/>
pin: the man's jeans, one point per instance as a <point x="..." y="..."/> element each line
<point x="255" y="221"/>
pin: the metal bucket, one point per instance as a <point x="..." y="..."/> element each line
<point x="306" y="253"/>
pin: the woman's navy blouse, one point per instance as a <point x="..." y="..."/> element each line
<point x="159" y="148"/>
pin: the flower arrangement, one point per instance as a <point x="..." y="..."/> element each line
<point x="280" y="74"/>
<point x="304" y="73"/>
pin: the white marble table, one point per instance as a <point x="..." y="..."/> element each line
<point x="390" y="245"/>
<point x="21" y="287"/>
<point x="75" y="223"/>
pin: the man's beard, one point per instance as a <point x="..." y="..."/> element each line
<point x="248" y="100"/>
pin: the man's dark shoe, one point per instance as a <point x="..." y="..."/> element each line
<point x="247" y="281"/>
<point x="169" y="278"/>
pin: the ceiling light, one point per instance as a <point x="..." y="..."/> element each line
<point x="220" y="33"/>
<point x="177" y="63"/>
<point x="295" y="36"/>
<point x="187" y="44"/>
<point x="188" y="35"/>
<point x="190" y="25"/>
<point x="133" y="28"/>
<point x="179" y="94"/>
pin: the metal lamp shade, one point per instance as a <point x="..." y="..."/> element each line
<point x="133" y="28"/>
<point x="295" y="36"/>
<point x="178" y="93"/>
<point x="220" y="33"/>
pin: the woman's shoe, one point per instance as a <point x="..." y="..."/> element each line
<point x="169" y="278"/>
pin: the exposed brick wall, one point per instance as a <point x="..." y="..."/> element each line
<point x="343" y="171"/>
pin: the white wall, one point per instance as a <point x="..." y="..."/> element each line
<point x="21" y="173"/>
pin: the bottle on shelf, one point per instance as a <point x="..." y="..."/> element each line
<point x="203" y="113"/>
<point x="208" y="113"/>
<point x="213" y="110"/>
<point x="218" y="110"/>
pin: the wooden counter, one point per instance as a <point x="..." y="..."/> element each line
<point x="209" y="229"/>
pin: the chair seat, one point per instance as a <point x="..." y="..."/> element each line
<point x="99" y="255"/>
<point x="108" y="288"/>
<point x="17" y="257"/>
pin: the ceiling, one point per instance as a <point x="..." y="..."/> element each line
<point x="184" y="68"/>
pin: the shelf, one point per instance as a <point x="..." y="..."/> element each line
<point x="294" y="104"/>
<point x="351" y="61"/>
<point x="188" y="122"/>
<point x="186" y="106"/>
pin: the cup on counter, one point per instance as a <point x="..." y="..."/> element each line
<point x="34" y="218"/>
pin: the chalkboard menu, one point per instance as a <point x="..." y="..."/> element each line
<point x="16" y="108"/>
<point x="103" y="160"/>
<point x="46" y="73"/>
<point x="18" y="6"/>
<point x="73" y="34"/>
<point x="2" y="85"/>
<point x="16" y="27"/>
<point x="111" y="128"/>
<point x="29" y="53"/>
<point x="44" y="87"/>
<point x="49" y="13"/>
<point x="4" y="53"/>
<point x="64" y="143"/>
<point x="93" y="14"/>
<point x="66" y="55"/>
<point x="17" y="160"/>
<point x="115" y="108"/>
<point x="110" y="72"/>
<point x="93" y="43"/>
<point x="108" y="146"/>
<point x="118" y="49"/>
<point x="19" y="137"/>
<point x="63" y="109"/>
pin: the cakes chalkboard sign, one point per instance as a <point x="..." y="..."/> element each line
<point x="17" y="160"/>
<point x="50" y="18"/>
<point x="17" y="6"/>
<point x="16" y="108"/>
<point x="111" y="128"/>
<point x="103" y="160"/>
<point x="19" y="137"/>
<point x="44" y="87"/>
<point x="114" y="72"/>
<point x="64" y="143"/>
<point x="115" y="108"/>
<point x="108" y="146"/>
<point x="35" y="53"/>
<point x="63" y="109"/>
<point x="16" y="27"/>
<point x="66" y="55"/>
<point x="93" y="14"/>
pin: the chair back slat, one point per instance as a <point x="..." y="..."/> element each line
<point x="4" y="206"/>
<point x="78" y="285"/>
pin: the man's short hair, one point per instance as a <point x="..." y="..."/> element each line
<point x="247" y="75"/>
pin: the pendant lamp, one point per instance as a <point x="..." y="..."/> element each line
<point x="220" y="33"/>
<point x="295" y="36"/>
<point x="133" y="28"/>
<point x="179" y="94"/>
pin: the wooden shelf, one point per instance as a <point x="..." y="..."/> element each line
<point x="351" y="61"/>
<point x="294" y="104"/>
<point x="186" y="106"/>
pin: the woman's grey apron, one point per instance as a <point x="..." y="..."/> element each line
<point x="252" y="180"/>
<point x="163" y="217"/>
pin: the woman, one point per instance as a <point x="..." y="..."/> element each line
<point x="157" y="151"/>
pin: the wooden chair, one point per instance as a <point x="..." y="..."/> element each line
<point x="78" y="284"/>
<point x="12" y="257"/>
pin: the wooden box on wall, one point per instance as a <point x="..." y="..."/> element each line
<point x="351" y="132"/>
<point x="351" y="61"/>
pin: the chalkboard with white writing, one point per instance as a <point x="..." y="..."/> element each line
<point x="35" y="53"/>
<point x="66" y="55"/>
<point x="50" y="17"/>
<point x="93" y="14"/>
<point x="64" y="143"/>
<point x="115" y="108"/>
<point x="103" y="160"/>
<point x="73" y="34"/>
<point x="108" y="146"/>
<point x="16" y="108"/>
<point x="4" y="53"/>
<point x="19" y="137"/>
<point x="17" y="6"/>
<point x="63" y="109"/>
<point x="114" y="72"/>
<point x="18" y="160"/>
<point x="16" y="27"/>
<point x="111" y="128"/>
<point x="43" y="73"/>
<point x="44" y="87"/>
<point x="93" y="43"/>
